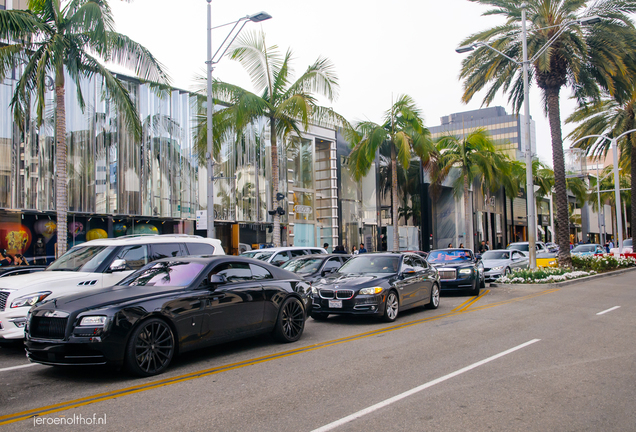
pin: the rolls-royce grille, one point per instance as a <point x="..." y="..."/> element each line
<point x="47" y="328"/>
<point x="4" y="295"/>
<point x="448" y="274"/>
<point x="337" y="294"/>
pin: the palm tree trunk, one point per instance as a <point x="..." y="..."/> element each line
<point x="633" y="176"/>
<point x="560" y="189"/>
<point x="394" y="199"/>
<point x="276" y="233"/>
<point x="467" y="218"/>
<point x="61" y="191"/>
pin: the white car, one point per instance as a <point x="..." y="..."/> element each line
<point x="628" y="247"/>
<point x="94" y="264"/>
<point x="278" y="256"/>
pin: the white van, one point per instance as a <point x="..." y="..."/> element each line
<point x="94" y="264"/>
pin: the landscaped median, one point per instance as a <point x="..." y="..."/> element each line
<point x="583" y="267"/>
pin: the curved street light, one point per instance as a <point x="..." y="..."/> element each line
<point x="212" y="60"/>
<point x="617" y="195"/>
<point x="532" y="222"/>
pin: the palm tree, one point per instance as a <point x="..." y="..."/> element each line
<point x="403" y="130"/>
<point x="580" y="58"/>
<point x="476" y="158"/>
<point x="69" y="38"/>
<point x="290" y="106"/>
<point x="610" y="116"/>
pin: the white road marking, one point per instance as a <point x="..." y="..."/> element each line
<point x="18" y="367"/>
<point x="608" y="310"/>
<point x="408" y="393"/>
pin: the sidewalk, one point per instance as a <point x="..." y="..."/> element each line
<point x="567" y="282"/>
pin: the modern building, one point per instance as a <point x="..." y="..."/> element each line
<point x="13" y="4"/>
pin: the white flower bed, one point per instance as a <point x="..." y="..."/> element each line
<point x="557" y="275"/>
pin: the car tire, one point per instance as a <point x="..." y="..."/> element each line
<point x="475" y="290"/>
<point x="507" y="271"/>
<point x="291" y="321"/>
<point x="144" y="356"/>
<point x="319" y="316"/>
<point x="434" y="302"/>
<point x="391" y="307"/>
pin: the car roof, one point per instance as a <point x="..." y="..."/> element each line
<point x="206" y="259"/>
<point x="151" y="238"/>
<point x="286" y="248"/>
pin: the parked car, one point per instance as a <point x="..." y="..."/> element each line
<point x="502" y="262"/>
<point x="552" y="247"/>
<point x="169" y="306"/>
<point x="94" y="264"/>
<point x="278" y="256"/>
<point x="313" y="267"/>
<point x="420" y="253"/>
<point x="587" y="249"/>
<point x="20" y="270"/>
<point x="379" y="284"/>
<point x="545" y="258"/>
<point x="459" y="269"/>
<point x="628" y="247"/>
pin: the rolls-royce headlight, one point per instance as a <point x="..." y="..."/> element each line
<point x="93" y="321"/>
<point x="30" y="300"/>
<point x="371" y="291"/>
<point x="465" y="271"/>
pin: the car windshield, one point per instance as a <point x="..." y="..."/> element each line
<point x="449" y="255"/>
<point x="308" y="265"/>
<point x="168" y="274"/>
<point x="82" y="258"/>
<point x="362" y="264"/>
<point x="496" y="255"/>
<point x="584" y="248"/>
<point x="258" y="254"/>
<point x="524" y="247"/>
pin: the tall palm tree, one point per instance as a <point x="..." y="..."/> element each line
<point x="290" y="106"/>
<point x="54" y="37"/>
<point x="476" y="158"/>
<point x="582" y="58"/>
<point x="610" y="116"/>
<point x="403" y="130"/>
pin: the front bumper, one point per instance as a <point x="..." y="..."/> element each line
<point x="459" y="284"/>
<point x="358" y="305"/>
<point x="74" y="351"/>
<point x="491" y="276"/>
<point x="12" y="323"/>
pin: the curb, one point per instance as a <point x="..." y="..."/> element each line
<point x="564" y="283"/>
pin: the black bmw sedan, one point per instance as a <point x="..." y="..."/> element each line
<point x="313" y="267"/>
<point x="459" y="269"/>
<point x="380" y="284"/>
<point x="168" y="307"/>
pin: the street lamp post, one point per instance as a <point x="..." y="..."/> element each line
<point x="617" y="194"/>
<point x="212" y="60"/>
<point x="532" y="221"/>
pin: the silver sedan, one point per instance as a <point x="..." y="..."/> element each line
<point x="502" y="262"/>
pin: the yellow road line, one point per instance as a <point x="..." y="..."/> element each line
<point x="12" y="418"/>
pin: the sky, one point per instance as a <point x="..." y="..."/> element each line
<point x="380" y="49"/>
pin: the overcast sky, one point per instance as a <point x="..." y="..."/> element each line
<point x="380" y="49"/>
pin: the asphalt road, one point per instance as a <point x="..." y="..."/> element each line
<point x="512" y="360"/>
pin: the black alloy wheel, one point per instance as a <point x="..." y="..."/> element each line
<point x="150" y="348"/>
<point x="434" y="303"/>
<point x="291" y="321"/>
<point x="319" y="316"/>
<point x="391" y="307"/>
<point x="475" y="290"/>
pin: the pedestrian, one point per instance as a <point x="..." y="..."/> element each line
<point x="20" y="260"/>
<point x="482" y="247"/>
<point x="354" y="251"/>
<point x="450" y="246"/>
<point x="325" y="246"/>
<point x="362" y="249"/>
<point x="5" y="259"/>
<point x="461" y="245"/>
<point x="611" y="244"/>
<point x="487" y="245"/>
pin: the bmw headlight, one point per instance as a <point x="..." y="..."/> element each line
<point x="371" y="291"/>
<point x="94" y="321"/>
<point x="497" y="268"/>
<point x="465" y="271"/>
<point x="314" y="290"/>
<point x="30" y="300"/>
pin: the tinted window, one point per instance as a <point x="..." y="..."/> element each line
<point x="165" y="250"/>
<point x="419" y="264"/>
<point x="518" y="246"/>
<point x="332" y="263"/>
<point x="171" y="274"/>
<point x="136" y="256"/>
<point x="259" y="273"/>
<point x="362" y="264"/>
<point x="458" y="255"/>
<point x="279" y="258"/>
<point x="86" y="258"/>
<point x="408" y="262"/>
<point x="262" y="255"/>
<point x="306" y="265"/>
<point x="200" y="249"/>
<point x="315" y="251"/>
<point x="295" y="253"/>
<point x="497" y="255"/>
<point x="234" y="271"/>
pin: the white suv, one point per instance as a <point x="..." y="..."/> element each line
<point x="94" y="264"/>
<point x="278" y="256"/>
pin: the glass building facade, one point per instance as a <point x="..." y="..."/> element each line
<point x="118" y="185"/>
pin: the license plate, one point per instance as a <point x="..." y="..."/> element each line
<point x="335" y="304"/>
